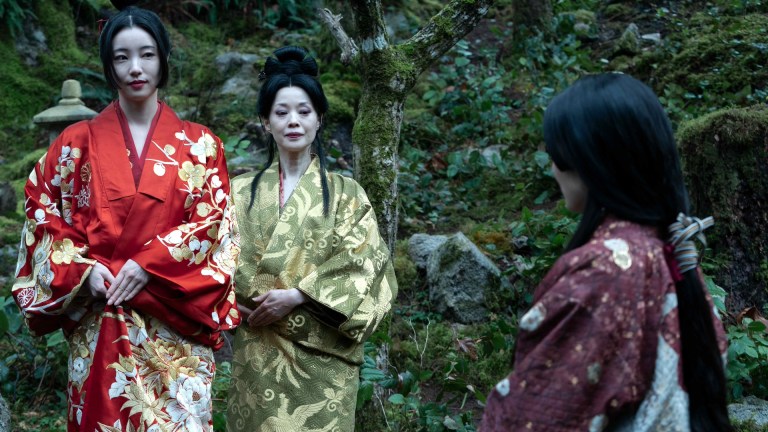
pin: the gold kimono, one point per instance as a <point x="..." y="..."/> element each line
<point x="301" y="372"/>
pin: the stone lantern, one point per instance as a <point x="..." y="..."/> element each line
<point x="69" y="110"/>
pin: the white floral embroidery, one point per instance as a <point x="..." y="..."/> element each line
<point x="620" y="249"/>
<point x="190" y="403"/>
<point x="533" y="318"/>
<point x="503" y="387"/>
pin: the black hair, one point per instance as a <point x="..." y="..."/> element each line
<point x="612" y="130"/>
<point x="134" y="17"/>
<point x="292" y="66"/>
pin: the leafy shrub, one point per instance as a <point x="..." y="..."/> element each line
<point x="14" y="13"/>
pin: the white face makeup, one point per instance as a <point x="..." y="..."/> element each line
<point x="137" y="64"/>
<point x="293" y="121"/>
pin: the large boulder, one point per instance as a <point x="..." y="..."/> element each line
<point x="751" y="409"/>
<point x="422" y="246"/>
<point x="5" y="416"/>
<point x="464" y="284"/>
<point x="242" y="76"/>
<point x="724" y="161"/>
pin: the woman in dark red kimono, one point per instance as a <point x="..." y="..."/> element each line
<point x="128" y="248"/>
<point x="622" y="335"/>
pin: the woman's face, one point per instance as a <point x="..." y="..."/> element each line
<point x="137" y="64"/>
<point x="574" y="190"/>
<point x="293" y="120"/>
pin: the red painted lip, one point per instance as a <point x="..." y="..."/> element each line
<point x="293" y="135"/>
<point x="137" y="85"/>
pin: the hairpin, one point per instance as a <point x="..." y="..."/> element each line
<point x="101" y="23"/>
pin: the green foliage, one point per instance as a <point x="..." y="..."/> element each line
<point x="541" y="237"/>
<point x="33" y="371"/>
<point x="235" y="146"/>
<point x="463" y="100"/>
<point x="13" y="13"/>
<point x="21" y="168"/>
<point x="443" y="374"/>
<point x="219" y="390"/>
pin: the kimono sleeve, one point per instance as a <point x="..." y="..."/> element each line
<point x="193" y="263"/>
<point x="52" y="265"/>
<point x="354" y="289"/>
<point x="578" y="359"/>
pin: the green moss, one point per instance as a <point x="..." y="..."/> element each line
<point x="339" y="111"/>
<point x="21" y="95"/>
<point x="408" y="278"/>
<point x="20" y="169"/>
<point x="10" y="229"/>
<point x="618" y="10"/>
<point x="55" y="17"/>
<point x="717" y="57"/>
<point x="57" y="23"/>
<point x="199" y="32"/>
<point x="724" y="157"/>
<point x="748" y="426"/>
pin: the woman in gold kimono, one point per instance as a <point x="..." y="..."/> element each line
<point x="314" y="278"/>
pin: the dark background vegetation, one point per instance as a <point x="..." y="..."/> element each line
<point x="471" y="160"/>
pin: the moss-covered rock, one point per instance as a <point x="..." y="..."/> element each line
<point x="715" y="58"/>
<point x="629" y="43"/>
<point x="725" y="156"/>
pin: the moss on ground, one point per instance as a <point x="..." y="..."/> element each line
<point x="713" y="55"/>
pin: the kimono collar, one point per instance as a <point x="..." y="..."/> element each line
<point x="312" y="168"/>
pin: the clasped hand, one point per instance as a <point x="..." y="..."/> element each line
<point x="272" y="306"/>
<point x="116" y="289"/>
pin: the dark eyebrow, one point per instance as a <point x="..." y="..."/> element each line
<point x="140" y="49"/>
<point x="301" y="104"/>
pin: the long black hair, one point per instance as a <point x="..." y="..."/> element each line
<point x="292" y="66"/>
<point x="130" y="17"/>
<point x="612" y="130"/>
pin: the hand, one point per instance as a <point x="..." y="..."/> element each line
<point x="128" y="282"/>
<point x="99" y="280"/>
<point x="274" y="305"/>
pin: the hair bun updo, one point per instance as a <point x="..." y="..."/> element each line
<point x="290" y="60"/>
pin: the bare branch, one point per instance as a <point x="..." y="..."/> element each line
<point x="442" y="32"/>
<point x="348" y="46"/>
<point x="372" y="31"/>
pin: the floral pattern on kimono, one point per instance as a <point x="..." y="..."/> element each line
<point x="301" y="373"/>
<point x="145" y="365"/>
<point x="600" y="347"/>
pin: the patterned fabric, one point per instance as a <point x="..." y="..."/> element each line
<point x="148" y="364"/>
<point x="301" y="373"/>
<point x="600" y="348"/>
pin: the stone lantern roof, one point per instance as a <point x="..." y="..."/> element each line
<point x="70" y="108"/>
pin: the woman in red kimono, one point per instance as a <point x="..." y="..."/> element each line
<point x="127" y="248"/>
<point x="622" y="335"/>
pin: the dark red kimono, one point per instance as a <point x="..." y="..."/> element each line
<point x="600" y="348"/>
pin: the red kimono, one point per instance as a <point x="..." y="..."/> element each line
<point x="146" y="365"/>
<point x="600" y="348"/>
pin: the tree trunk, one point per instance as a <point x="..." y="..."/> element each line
<point x="388" y="73"/>
<point x="533" y="14"/>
